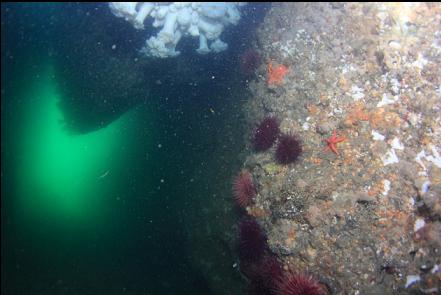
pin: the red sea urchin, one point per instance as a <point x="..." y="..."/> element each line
<point x="288" y="149"/>
<point x="299" y="284"/>
<point x="266" y="134"/>
<point x="243" y="189"/>
<point x="252" y="241"/>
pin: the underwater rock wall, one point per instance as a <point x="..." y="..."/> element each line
<point x="359" y="85"/>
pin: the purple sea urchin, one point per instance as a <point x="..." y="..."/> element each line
<point x="266" y="134"/>
<point x="243" y="189"/>
<point x="250" y="60"/>
<point x="264" y="274"/>
<point x="252" y="241"/>
<point x="288" y="149"/>
<point x="270" y="270"/>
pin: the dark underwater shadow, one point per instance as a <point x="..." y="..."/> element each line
<point x="102" y="74"/>
<point x="99" y="78"/>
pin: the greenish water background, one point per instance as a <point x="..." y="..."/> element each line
<point x="134" y="207"/>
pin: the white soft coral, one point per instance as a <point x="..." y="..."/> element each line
<point x="204" y="20"/>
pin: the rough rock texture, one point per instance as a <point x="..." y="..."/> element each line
<point x="366" y="221"/>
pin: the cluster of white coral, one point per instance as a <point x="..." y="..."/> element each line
<point x="205" y="20"/>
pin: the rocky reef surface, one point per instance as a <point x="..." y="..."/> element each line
<point x="363" y="215"/>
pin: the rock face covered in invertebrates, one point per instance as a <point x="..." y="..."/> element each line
<point x="364" y="216"/>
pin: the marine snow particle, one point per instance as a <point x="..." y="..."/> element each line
<point x="266" y="134"/>
<point x="243" y="189"/>
<point x="288" y="149"/>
